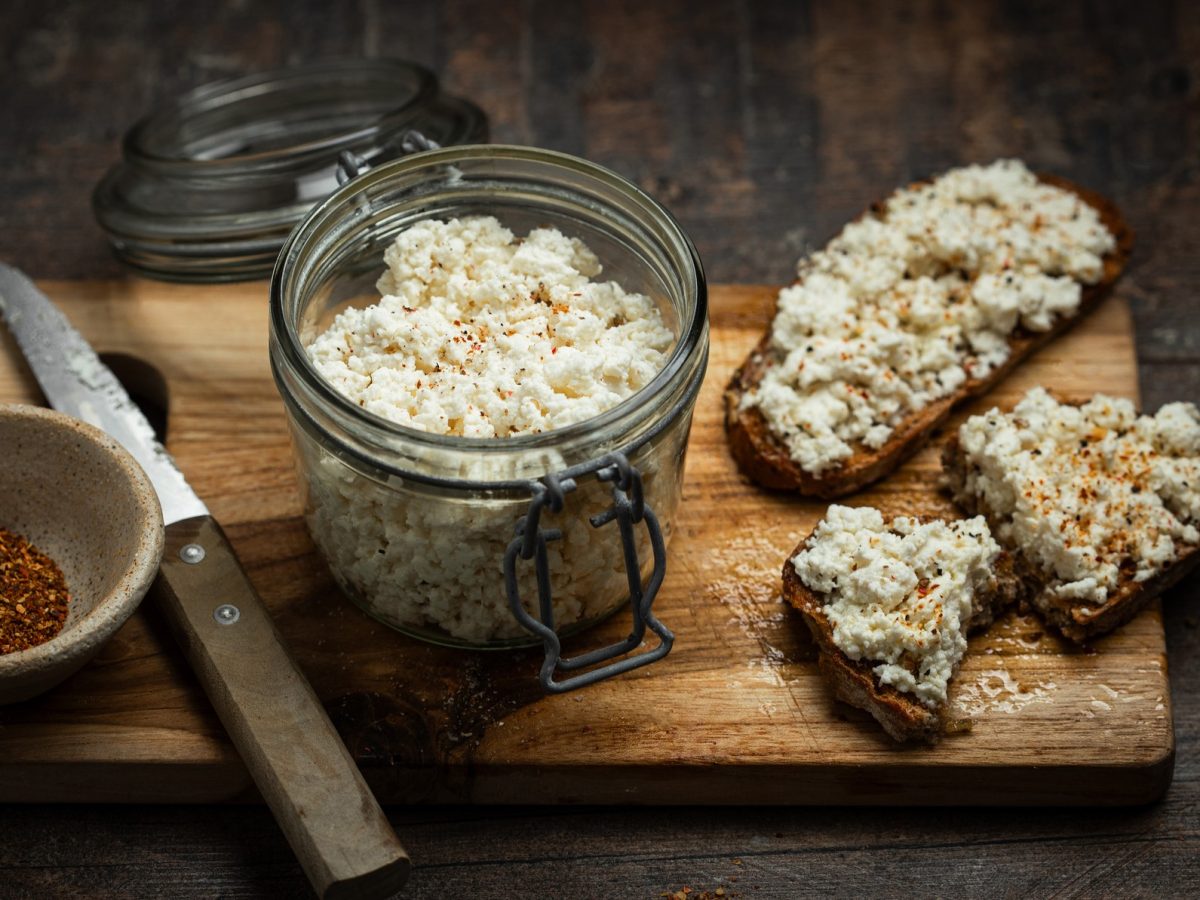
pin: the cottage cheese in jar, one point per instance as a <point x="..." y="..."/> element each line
<point x="480" y="334"/>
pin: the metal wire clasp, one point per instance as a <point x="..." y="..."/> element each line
<point x="350" y="165"/>
<point x="628" y="509"/>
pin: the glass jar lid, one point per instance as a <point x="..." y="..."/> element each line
<point x="211" y="184"/>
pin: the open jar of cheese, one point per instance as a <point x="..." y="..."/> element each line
<point x="489" y="357"/>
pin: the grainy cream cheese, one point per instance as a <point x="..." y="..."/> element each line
<point x="1089" y="491"/>
<point x="481" y="334"/>
<point x="910" y="301"/>
<point x="900" y="594"/>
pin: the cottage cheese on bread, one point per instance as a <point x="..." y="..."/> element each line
<point x="917" y="297"/>
<point x="482" y="334"/>
<point x="1089" y="494"/>
<point x="901" y="594"/>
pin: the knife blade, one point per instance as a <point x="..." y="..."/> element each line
<point x="77" y="383"/>
<point x="299" y="763"/>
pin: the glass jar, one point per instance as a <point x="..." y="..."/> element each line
<point x="211" y="184"/>
<point x="424" y="531"/>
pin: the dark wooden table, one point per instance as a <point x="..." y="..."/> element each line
<point x="764" y="127"/>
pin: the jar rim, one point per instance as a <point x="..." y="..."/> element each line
<point x="230" y="92"/>
<point x="676" y="368"/>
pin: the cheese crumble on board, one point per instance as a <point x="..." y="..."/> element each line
<point x="900" y="594"/>
<point x="482" y="334"/>
<point x="916" y="297"/>
<point x="1088" y="492"/>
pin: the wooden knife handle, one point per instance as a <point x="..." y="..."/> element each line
<point x="329" y="815"/>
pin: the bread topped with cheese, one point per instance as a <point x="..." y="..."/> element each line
<point x="1101" y="503"/>
<point x="929" y="297"/>
<point x="890" y="604"/>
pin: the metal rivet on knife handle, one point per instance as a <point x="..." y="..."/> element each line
<point x="191" y="554"/>
<point x="226" y="614"/>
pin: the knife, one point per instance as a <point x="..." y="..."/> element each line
<point x="300" y="765"/>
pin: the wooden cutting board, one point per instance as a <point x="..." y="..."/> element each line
<point x="736" y="714"/>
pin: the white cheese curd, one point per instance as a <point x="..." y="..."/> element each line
<point x="1089" y="491"/>
<point x="910" y="301"/>
<point x="424" y="562"/>
<point x="900" y="594"/>
<point x="484" y="335"/>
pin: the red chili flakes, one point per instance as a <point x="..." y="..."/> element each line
<point x="33" y="595"/>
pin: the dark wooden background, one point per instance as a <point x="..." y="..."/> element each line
<point x="763" y="126"/>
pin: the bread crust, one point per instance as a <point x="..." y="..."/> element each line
<point x="1077" y="621"/>
<point x="765" y="458"/>
<point x="902" y="716"/>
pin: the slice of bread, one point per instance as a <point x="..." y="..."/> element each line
<point x="903" y="716"/>
<point x="765" y="458"/>
<point x="1077" y="620"/>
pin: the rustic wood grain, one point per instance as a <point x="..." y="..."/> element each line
<point x="1104" y="92"/>
<point x="737" y="714"/>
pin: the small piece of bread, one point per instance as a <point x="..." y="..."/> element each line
<point x="903" y="715"/>
<point x="765" y="458"/>
<point x="1098" y="482"/>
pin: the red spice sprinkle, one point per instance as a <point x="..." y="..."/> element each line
<point x="33" y="595"/>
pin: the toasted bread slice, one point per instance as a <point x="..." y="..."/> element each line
<point x="900" y="713"/>
<point x="765" y="458"/>
<point x="1076" y="619"/>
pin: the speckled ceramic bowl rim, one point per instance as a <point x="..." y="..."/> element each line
<point x="110" y="611"/>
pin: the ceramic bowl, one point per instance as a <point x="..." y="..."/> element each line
<point x="78" y="496"/>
